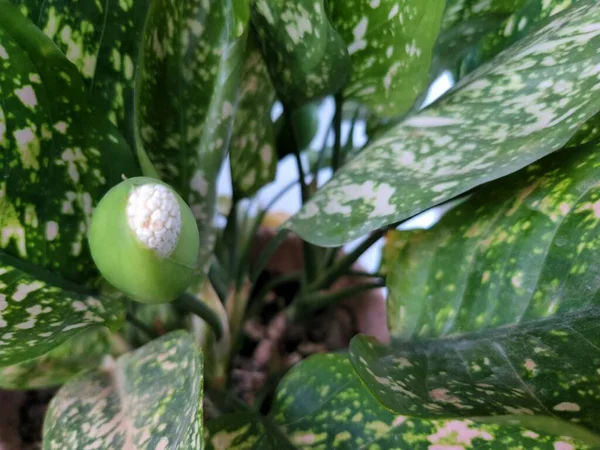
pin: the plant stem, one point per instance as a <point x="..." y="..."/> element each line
<point x="237" y="302"/>
<point x="266" y="254"/>
<point x="336" y="160"/>
<point x="190" y="303"/>
<point x="216" y="277"/>
<point x="360" y="273"/>
<point x="330" y="256"/>
<point x="231" y="237"/>
<point x="349" y="145"/>
<point x="321" y="157"/>
<point x="288" y="114"/>
<point x="274" y="283"/>
<point x="309" y="251"/>
<point x="149" y="332"/>
<point x="316" y="301"/>
<point x="345" y="263"/>
<point x="245" y="254"/>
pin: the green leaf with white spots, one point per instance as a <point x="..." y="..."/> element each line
<point x="460" y="11"/>
<point x="186" y="96"/>
<point x="523" y="105"/>
<point x="589" y="132"/>
<point x="56" y="367"/>
<point x="40" y="311"/>
<point x="465" y="24"/>
<point x="252" y="151"/>
<point x="149" y="399"/>
<point x="390" y="45"/>
<point x="322" y="404"/>
<point x="58" y="157"/>
<point x="245" y="431"/>
<point x="541" y="375"/>
<point x="455" y="43"/>
<point x="526" y="16"/>
<point x="306" y="57"/>
<point x="521" y="249"/>
<point x="102" y="39"/>
<point x="501" y="300"/>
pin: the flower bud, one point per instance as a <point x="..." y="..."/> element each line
<point x="144" y="240"/>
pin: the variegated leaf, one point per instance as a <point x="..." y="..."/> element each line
<point x="390" y="45"/>
<point x="187" y="90"/>
<point x="521" y="249"/>
<point x="40" y="311"/>
<point x="589" y="132"/>
<point x="149" y="399"/>
<point x="465" y="24"/>
<point x="541" y="375"/>
<point x="516" y="264"/>
<point x="460" y="11"/>
<point x="322" y="404"/>
<point x="305" y="55"/>
<point x="525" y="17"/>
<point x="252" y="151"/>
<point x="102" y="39"/>
<point x="56" y="367"/>
<point x="523" y="105"/>
<point x="58" y="158"/>
<point x="455" y="43"/>
<point x="244" y="431"/>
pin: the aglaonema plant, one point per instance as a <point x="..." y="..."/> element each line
<point x="131" y="288"/>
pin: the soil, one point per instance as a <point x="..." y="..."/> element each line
<point x="270" y="346"/>
<point x="22" y="417"/>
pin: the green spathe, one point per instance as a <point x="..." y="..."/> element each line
<point x="129" y="264"/>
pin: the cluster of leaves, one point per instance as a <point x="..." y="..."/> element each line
<point x="492" y="311"/>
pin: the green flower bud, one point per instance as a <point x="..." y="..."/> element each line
<point x="144" y="240"/>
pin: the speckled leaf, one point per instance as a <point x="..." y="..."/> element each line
<point x="244" y="431"/>
<point x="542" y="375"/>
<point x="56" y="367"/>
<point x="322" y="404"/>
<point x="517" y="264"/>
<point x="102" y="39"/>
<point x="306" y="56"/>
<point x="589" y="132"/>
<point x="58" y="157"/>
<point x="186" y="96"/>
<point x="390" y="43"/>
<point x="252" y="151"/>
<point x="460" y="11"/>
<point x="521" y="249"/>
<point x="149" y="399"/>
<point x="523" y="105"/>
<point x="525" y="17"/>
<point x="455" y="43"/>
<point x="464" y="24"/>
<point x="40" y="311"/>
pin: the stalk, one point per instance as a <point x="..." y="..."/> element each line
<point x="345" y="263"/>
<point x="336" y="161"/>
<point x="309" y="251"/>
<point x="310" y="303"/>
<point x="190" y="303"/>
